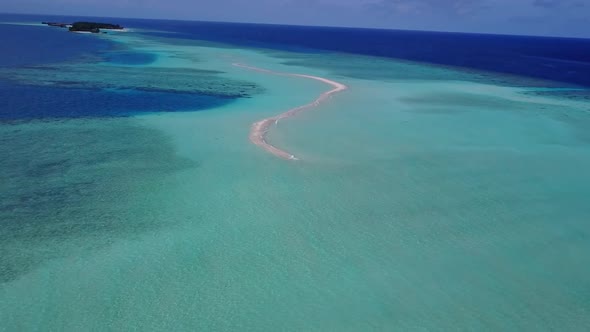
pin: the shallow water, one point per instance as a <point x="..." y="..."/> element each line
<point x="426" y="199"/>
<point x="70" y="186"/>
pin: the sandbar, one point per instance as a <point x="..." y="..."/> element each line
<point x="259" y="129"/>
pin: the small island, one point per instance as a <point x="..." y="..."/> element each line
<point x="85" y="26"/>
<point x="57" y="24"/>
<point x="93" y="27"/>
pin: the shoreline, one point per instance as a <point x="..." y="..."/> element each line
<point x="260" y="129"/>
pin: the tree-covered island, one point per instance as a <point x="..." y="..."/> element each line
<point x="86" y="26"/>
<point x="93" y="27"/>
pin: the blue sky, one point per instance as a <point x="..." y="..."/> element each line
<point x="538" y="17"/>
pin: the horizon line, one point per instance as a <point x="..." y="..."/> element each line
<point x="311" y="26"/>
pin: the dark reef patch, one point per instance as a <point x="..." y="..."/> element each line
<point x="88" y="76"/>
<point x="73" y="185"/>
<point x="130" y="58"/>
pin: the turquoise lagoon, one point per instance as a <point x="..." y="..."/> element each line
<point x="426" y="197"/>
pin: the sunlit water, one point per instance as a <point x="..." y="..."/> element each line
<point x="426" y="198"/>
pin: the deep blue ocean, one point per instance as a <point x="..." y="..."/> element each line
<point x="32" y="47"/>
<point x="559" y="59"/>
<point x="556" y="59"/>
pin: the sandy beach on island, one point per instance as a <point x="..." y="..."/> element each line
<point x="260" y="128"/>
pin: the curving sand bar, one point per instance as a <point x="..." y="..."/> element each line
<point x="260" y="129"/>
